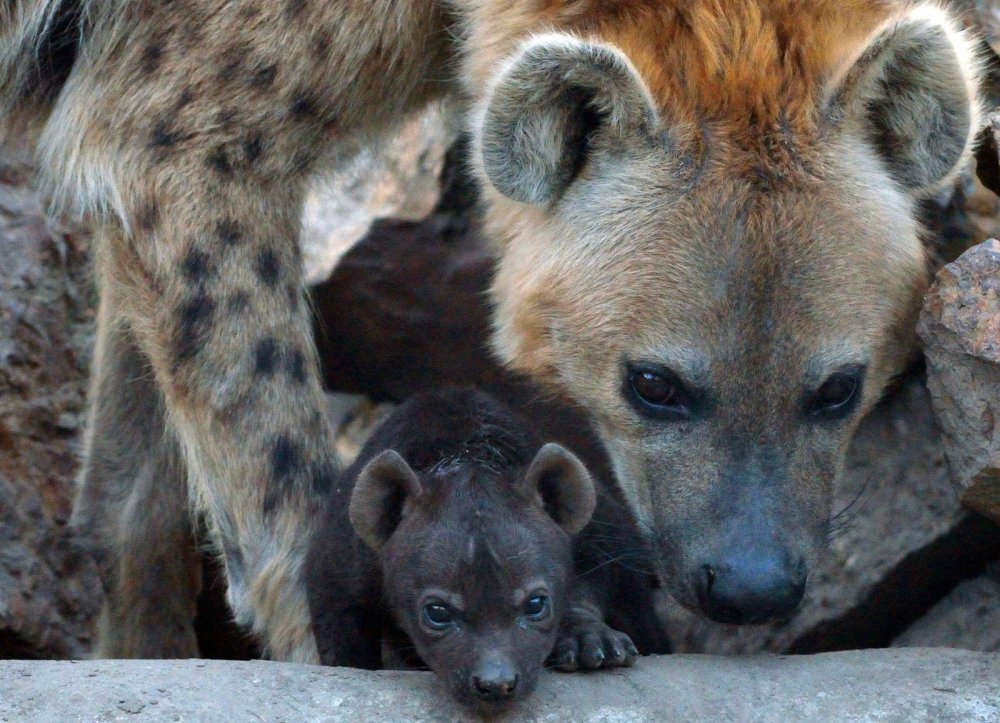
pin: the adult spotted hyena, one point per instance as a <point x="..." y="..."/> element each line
<point x="705" y="233"/>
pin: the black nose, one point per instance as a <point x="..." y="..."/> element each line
<point x="751" y="587"/>
<point x="495" y="681"/>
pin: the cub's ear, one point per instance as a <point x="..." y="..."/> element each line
<point x="382" y="488"/>
<point x="564" y="485"/>
<point x="547" y="105"/>
<point x="912" y="92"/>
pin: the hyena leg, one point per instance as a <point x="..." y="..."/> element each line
<point x="211" y="281"/>
<point x="132" y="508"/>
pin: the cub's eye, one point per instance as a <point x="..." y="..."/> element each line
<point x="437" y="616"/>
<point x="537" y="607"/>
<point x="837" y="395"/>
<point x="657" y="393"/>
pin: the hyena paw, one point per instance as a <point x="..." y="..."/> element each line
<point x="592" y="645"/>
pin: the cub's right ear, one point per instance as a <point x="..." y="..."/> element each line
<point x="377" y="502"/>
<point x="548" y="104"/>
<point x="563" y="485"/>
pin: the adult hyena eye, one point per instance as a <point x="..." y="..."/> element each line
<point x="657" y="393"/>
<point x="838" y="394"/>
<point x="537" y="607"/>
<point x="437" y="616"/>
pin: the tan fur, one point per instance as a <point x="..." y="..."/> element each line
<point x="734" y="221"/>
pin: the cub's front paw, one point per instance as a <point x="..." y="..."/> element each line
<point x="591" y="645"/>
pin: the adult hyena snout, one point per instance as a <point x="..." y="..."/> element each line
<point x="751" y="584"/>
<point x="494" y="680"/>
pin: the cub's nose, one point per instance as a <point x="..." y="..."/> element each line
<point x="495" y="680"/>
<point x="751" y="587"/>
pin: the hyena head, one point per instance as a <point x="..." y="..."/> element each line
<point x="717" y="255"/>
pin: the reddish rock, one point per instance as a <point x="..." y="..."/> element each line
<point x="960" y="329"/>
<point x="48" y="592"/>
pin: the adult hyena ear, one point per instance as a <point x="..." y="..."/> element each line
<point x="546" y="106"/>
<point x="381" y="491"/>
<point x="912" y="92"/>
<point x="564" y="485"/>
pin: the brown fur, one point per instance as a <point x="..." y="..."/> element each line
<point x="705" y="191"/>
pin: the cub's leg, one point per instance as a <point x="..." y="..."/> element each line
<point x="132" y="508"/>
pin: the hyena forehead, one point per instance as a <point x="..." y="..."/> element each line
<point x="789" y="192"/>
<point x="727" y="264"/>
<point x="482" y="555"/>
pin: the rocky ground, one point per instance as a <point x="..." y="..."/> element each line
<point x="878" y="685"/>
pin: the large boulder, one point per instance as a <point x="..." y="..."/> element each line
<point x="960" y="329"/>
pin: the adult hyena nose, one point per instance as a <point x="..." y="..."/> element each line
<point x="751" y="586"/>
<point x="495" y="680"/>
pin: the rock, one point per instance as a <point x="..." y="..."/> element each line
<point x="960" y="329"/>
<point x="878" y="685"/>
<point x="968" y="617"/>
<point x="397" y="180"/>
<point x="48" y="592"/>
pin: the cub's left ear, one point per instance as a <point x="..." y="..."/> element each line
<point x="564" y="485"/>
<point x="912" y="92"/>
<point x="555" y="99"/>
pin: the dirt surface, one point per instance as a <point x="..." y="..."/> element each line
<point x="886" y="685"/>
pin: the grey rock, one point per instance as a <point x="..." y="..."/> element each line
<point x="884" y="685"/>
<point x="968" y="617"/>
<point x="960" y="329"/>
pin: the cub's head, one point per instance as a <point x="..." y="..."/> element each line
<point x="476" y="563"/>
<point x="724" y="267"/>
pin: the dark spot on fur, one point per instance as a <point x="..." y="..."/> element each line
<point x="194" y="324"/>
<point x="218" y="161"/>
<point x="253" y="147"/>
<point x="238" y="302"/>
<point x="297" y="366"/>
<point x="294" y="8"/>
<point x="322" y="478"/>
<point x="229" y="232"/>
<point x="185" y="98"/>
<point x="286" y="459"/>
<point x="149" y="216"/>
<point x="262" y="78"/>
<point x="225" y="117"/>
<point x="265" y="357"/>
<point x="163" y="137"/>
<point x="149" y="61"/>
<point x="304" y="104"/>
<point x="197" y="266"/>
<point x="268" y="267"/>
<point x="321" y="44"/>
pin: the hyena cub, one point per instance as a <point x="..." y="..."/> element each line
<point x="454" y="526"/>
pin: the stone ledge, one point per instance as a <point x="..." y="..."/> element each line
<point x="883" y="685"/>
